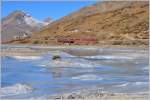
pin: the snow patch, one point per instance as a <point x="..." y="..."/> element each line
<point x="140" y="83"/>
<point x="34" y="22"/>
<point x="59" y="63"/>
<point x="123" y="85"/>
<point x="107" y="57"/>
<point x="27" y="57"/>
<point x="132" y="84"/>
<point x="87" y="77"/>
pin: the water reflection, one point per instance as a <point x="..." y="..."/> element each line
<point x="56" y="72"/>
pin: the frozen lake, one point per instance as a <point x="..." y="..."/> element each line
<point x="110" y="70"/>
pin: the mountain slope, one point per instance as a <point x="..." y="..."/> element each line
<point x="19" y="23"/>
<point x="109" y="22"/>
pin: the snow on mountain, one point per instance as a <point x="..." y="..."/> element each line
<point x="18" y="23"/>
<point x="34" y="22"/>
<point x="48" y="20"/>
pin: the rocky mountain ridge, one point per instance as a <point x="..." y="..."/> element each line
<point x="19" y="23"/>
<point x="105" y="23"/>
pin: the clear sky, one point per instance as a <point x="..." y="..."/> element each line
<point x="43" y="9"/>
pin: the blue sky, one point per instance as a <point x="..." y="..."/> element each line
<point x="44" y="9"/>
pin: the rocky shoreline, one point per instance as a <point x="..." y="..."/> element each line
<point x="38" y="50"/>
<point x="99" y="95"/>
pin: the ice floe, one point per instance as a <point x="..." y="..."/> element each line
<point x="15" y="90"/>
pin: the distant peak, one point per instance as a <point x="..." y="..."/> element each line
<point x="18" y="12"/>
<point x="48" y="20"/>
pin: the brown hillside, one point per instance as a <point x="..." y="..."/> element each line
<point x="109" y="23"/>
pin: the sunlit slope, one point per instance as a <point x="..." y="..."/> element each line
<point x="112" y="23"/>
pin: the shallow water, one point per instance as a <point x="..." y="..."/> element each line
<point x="122" y="71"/>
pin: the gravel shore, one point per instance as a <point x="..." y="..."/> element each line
<point x="92" y="95"/>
